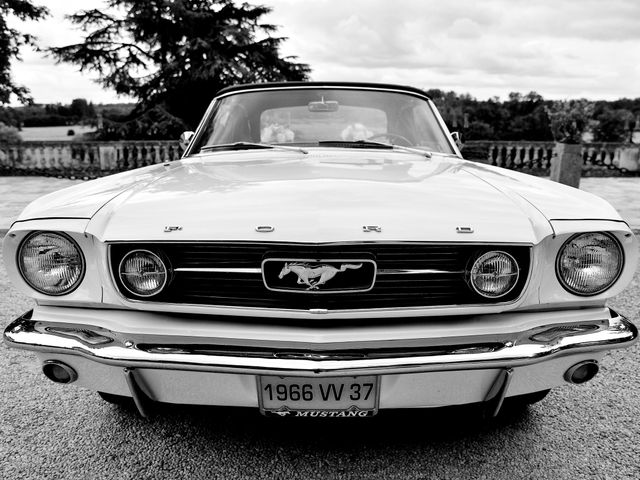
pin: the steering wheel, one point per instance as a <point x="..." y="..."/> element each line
<point x="392" y="136"/>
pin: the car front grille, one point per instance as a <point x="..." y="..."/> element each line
<point x="408" y="274"/>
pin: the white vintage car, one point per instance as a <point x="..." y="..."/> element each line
<point x="322" y="249"/>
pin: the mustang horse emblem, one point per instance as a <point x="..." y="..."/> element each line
<point x="314" y="276"/>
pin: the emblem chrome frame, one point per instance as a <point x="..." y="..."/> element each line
<point x="314" y="260"/>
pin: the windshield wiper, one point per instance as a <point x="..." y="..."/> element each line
<point x="373" y="144"/>
<point x="249" y="146"/>
<point x="356" y="143"/>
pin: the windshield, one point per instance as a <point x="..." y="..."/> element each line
<point x="311" y="117"/>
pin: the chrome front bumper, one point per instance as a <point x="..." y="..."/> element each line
<point x="148" y="351"/>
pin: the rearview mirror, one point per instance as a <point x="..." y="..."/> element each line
<point x="324" y="106"/>
<point x="185" y="139"/>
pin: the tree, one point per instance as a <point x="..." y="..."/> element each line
<point x="10" y="42"/>
<point x="479" y="131"/>
<point x="173" y="56"/>
<point x="569" y="119"/>
<point x="81" y="109"/>
<point x="613" y="125"/>
<point x="9" y="134"/>
<point x="527" y="118"/>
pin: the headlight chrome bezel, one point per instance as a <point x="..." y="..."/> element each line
<point x="482" y="293"/>
<point x="606" y="287"/>
<point x="160" y="260"/>
<point x="74" y="244"/>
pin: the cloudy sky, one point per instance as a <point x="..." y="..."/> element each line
<point x="559" y="48"/>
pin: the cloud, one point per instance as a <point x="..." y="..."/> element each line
<point x="561" y="49"/>
<point x="590" y="20"/>
<point x="465" y="28"/>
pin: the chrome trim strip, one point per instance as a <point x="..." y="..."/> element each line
<point x="199" y="129"/>
<point x="417" y="271"/>
<point x="323" y="244"/>
<point x="521" y="349"/>
<point x="444" y="129"/>
<point x="256" y="271"/>
<point x="326" y="87"/>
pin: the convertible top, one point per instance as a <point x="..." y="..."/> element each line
<point x="257" y="86"/>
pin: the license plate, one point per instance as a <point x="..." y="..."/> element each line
<point x="319" y="397"/>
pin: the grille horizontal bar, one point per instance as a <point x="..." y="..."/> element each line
<point x="408" y="275"/>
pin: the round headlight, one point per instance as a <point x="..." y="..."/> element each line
<point x="51" y="263"/>
<point x="143" y="273"/>
<point x="494" y="274"/>
<point x="589" y="263"/>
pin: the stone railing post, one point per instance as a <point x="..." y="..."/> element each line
<point x="566" y="165"/>
<point x="628" y="158"/>
<point x="108" y="157"/>
<point x="66" y="156"/>
<point x="6" y="157"/>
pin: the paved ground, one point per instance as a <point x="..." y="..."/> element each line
<point x="622" y="193"/>
<point x="578" y="432"/>
<point x="17" y="192"/>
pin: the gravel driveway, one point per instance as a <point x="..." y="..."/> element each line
<point x="52" y="431"/>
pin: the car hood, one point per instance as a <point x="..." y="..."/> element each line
<point x="325" y="196"/>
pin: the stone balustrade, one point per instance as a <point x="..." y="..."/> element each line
<point x="83" y="159"/>
<point x="95" y="159"/>
<point x="600" y="159"/>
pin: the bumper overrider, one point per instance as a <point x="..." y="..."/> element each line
<point x="479" y="368"/>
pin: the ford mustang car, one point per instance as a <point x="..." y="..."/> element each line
<point x="321" y="249"/>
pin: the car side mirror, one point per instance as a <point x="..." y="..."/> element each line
<point x="185" y="139"/>
<point x="457" y="137"/>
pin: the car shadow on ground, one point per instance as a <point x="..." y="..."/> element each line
<point x="407" y="426"/>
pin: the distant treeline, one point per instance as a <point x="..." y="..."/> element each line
<point x="519" y="117"/>
<point x="53" y="115"/>
<point x="523" y="117"/>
